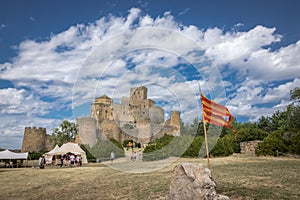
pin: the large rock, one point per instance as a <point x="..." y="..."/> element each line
<point x="191" y="181"/>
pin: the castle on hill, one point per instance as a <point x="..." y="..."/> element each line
<point x="137" y="118"/>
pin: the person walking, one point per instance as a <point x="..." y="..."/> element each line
<point x="112" y="157"/>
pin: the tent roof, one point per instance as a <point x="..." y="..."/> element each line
<point x="70" y="147"/>
<point x="11" y="155"/>
<point x="53" y="151"/>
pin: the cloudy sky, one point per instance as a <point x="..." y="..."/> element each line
<point x="57" y="56"/>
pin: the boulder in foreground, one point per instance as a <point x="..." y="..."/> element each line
<point x="191" y="181"/>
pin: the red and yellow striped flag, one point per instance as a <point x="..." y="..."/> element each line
<point x="214" y="113"/>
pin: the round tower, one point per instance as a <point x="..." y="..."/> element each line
<point x="34" y="139"/>
<point x="175" y="122"/>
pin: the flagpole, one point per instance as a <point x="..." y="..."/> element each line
<point x="206" y="144"/>
<point x="204" y="127"/>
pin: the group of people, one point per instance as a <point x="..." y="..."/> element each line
<point x="71" y="159"/>
<point x="133" y="155"/>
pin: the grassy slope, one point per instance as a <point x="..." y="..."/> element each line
<point x="237" y="177"/>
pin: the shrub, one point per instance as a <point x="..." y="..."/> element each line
<point x="222" y="147"/>
<point x="35" y="155"/>
<point x="271" y="144"/>
<point x="194" y="149"/>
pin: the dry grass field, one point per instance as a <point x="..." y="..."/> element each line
<point x="238" y="177"/>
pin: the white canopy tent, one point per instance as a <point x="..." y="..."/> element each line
<point x="72" y="148"/>
<point x="50" y="154"/>
<point x="13" y="159"/>
<point x="9" y="155"/>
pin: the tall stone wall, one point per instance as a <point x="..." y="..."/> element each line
<point x="121" y="112"/>
<point x="157" y="115"/>
<point x="35" y="139"/>
<point x="175" y="122"/>
<point x="144" y="130"/>
<point x="110" y="129"/>
<point x="87" y="130"/>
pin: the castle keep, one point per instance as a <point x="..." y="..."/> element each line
<point x="137" y="118"/>
<point x="36" y="139"/>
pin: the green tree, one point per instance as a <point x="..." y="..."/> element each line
<point x="66" y="132"/>
<point x="222" y="148"/>
<point x="293" y="117"/>
<point x="264" y="123"/>
<point x="272" y="144"/>
<point x="295" y="94"/>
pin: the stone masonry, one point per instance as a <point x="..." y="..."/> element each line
<point x="249" y="147"/>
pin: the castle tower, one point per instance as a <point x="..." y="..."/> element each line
<point x="102" y="108"/>
<point x="34" y="139"/>
<point x="137" y="95"/>
<point x="87" y="130"/>
<point x="175" y="122"/>
<point x="144" y="130"/>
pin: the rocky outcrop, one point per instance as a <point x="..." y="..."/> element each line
<point x="191" y="181"/>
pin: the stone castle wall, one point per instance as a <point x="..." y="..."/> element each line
<point x="157" y="115"/>
<point x="144" y="130"/>
<point x="110" y="129"/>
<point x="35" y="139"/>
<point x="87" y="130"/>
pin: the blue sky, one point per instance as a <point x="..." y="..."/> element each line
<point x="56" y="56"/>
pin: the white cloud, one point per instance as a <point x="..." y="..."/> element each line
<point x="13" y="101"/>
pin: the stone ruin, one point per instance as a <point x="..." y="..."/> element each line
<point x="137" y="118"/>
<point x="191" y="181"/>
<point x="36" y="139"/>
<point x="248" y="147"/>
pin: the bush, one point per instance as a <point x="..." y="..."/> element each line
<point x="193" y="150"/>
<point x="271" y="144"/>
<point x="281" y="141"/>
<point x="35" y="155"/>
<point x="222" y="147"/>
<point x="246" y="133"/>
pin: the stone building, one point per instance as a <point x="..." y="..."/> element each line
<point x="36" y="139"/>
<point x="137" y="118"/>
